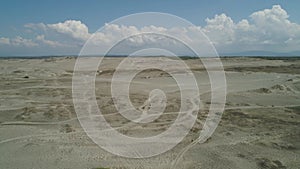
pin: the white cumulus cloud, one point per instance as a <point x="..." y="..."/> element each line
<point x="268" y="29"/>
<point x="73" y="28"/>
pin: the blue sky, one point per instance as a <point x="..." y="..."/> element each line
<point x="14" y="15"/>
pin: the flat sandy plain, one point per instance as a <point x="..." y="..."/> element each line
<point x="259" y="127"/>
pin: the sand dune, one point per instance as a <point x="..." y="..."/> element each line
<point x="259" y="128"/>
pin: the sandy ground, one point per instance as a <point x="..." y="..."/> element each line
<point x="259" y="128"/>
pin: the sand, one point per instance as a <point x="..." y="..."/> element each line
<point x="259" y="127"/>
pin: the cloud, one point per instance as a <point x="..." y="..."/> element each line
<point x="36" y="26"/>
<point x="268" y="29"/>
<point x="268" y="17"/>
<point x="18" y="41"/>
<point x="4" y="41"/>
<point x="273" y="25"/>
<point x="220" y="29"/>
<point x="144" y="37"/>
<point x="73" y="28"/>
<point x="76" y="30"/>
<point x="41" y="38"/>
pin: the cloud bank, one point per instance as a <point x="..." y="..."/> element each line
<point x="268" y="30"/>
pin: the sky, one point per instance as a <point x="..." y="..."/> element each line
<point x="49" y="27"/>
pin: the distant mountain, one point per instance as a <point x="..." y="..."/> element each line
<point x="261" y="53"/>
